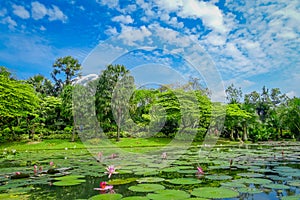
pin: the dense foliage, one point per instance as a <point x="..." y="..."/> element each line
<point x="39" y="108"/>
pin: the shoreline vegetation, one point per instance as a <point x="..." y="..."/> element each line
<point x="38" y="108"/>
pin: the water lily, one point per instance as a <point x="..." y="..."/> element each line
<point x="99" y="156"/>
<point x="18" y="173"/>
<point x="111" y="170"/>
<point x="104" y="187"/>
<point x="35" y="169"/>
<point x="113" y="156"/>
<point x="200" y="170"/>
<point x="164" y="155"/>
<point x="51" y="164"/>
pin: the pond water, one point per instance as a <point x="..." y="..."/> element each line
<point x="233" y="173"/>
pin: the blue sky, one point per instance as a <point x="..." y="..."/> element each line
<point x="247" y="43"/>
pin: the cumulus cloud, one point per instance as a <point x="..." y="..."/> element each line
<point x="109" y="3"/>
<point x="130" y="35"/>
<point x="10" y="22"/>
<point x="20" y="11"/>
<point x="39" y="11"/>
<point x="123" y="19"/>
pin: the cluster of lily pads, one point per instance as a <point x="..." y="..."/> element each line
<point x="245" y="172"/>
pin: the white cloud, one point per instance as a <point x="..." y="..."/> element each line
<point x="3" y="12"/>
<point x="10" y="22"/>
<point x="111" y="31"/>
<point x="291" y="94"/>
<point x="130" y="35"/>
<point x="109" y="3"/>
<point x="56" y="14"/>
<point x="20" y="11"/>
<point x="39" y="11"/>
<point x="123" y="19"/>
<point x="42" y="28"/>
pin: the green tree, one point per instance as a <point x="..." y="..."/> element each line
<point x="69" y="67"/>
<point x="107" y="83"/>
<point x="17" y="101"/>
<point x="41" y="85"/>
<point x="233" y="95"/>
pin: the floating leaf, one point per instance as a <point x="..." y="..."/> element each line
<point x="120" y="181"/>
<point x="214" y="192"/>
<point x="68" y="182"/>
<point x="168" y="195"/>
<point x="249" y="190"/>
<point x="257" y="181"/>
<point x="250" y="175"/>
<point x="146" y="187"/>
<point x="276" y="186"/>
<point x="135" y="198"/>
<point x="106" y="197"/>
<point x="295" y="183"/>
<point x="218" y="177"/>
<point x="150" y="180"/>
<point x="296" y="197"/>
<point x="233" y="185"/>
<point x="184" y="181"/>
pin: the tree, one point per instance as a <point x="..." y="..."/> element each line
<point x="41" y="85"/>
<point x="70" y="67"/>
<point x="107" y="83"/>
<point x="233" y="95"/>
<point x="17" y="100"/>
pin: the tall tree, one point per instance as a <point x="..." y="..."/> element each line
<point x="41" y="85"/>
<point x="69" y="67"/>
<point x="107" y="83"/>
<point x="233" y="94"/>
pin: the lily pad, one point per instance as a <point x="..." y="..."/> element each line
<point x="168" y="195"/>
<point x="150" y="180"/>
<point x="184" y="181"/>
<point x="251" y="175"/>
<point x="257" y="181"/>
<point x="233" y="185"/>
<point x="106" y="197"/>
<point x="135" y="198"/>
<point x="146" y="187"/>
<point x="120" y="181"/>
<point x="295" y="183"/>
<point x="276" y="186"/>
<point x="214" y="192"/>
<point x="249" y="190"/>
<point x="296" y="197"/>
<point x="218" y="177"/>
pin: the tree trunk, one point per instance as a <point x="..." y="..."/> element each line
<point x="231" y="134"/>
<point x="73" y="134"/>
<point x="245" y="134"/>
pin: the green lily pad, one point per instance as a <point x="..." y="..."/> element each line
<point x="257" y="181"/>
<point x="214" y="192"/>
<point x="276" y="186"/>
<point x="295" y="183"/>
<point x="135" y="198"/>
<point x="296" y="197"/>
<point x="146" y="187"/>
<point x="249" y="190"/>
<point x="68" y="182"/>
<point x="251" y="175"/>
<point x="233" y="185"/>
<point x="168" y="195"/>
<point x="19" y="196"/>
<point x="184" y="181"/>
<point x="218" y="177"/>
<point x="120" y="181"/>
<point x="150" y="180"/>
<point x="106" y="197"/>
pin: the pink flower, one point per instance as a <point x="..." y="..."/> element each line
<point x="41" y="168"/>
<point x="200" y="170"/>
<point x="35" y="167"/>
<point x="113" y="156"/>
<point x="51" y="164"/>
<point x="99" y="156"/>
<point x="104" y="187"/>
<point x="18" y="173"/>
<point x="111" y="170"/>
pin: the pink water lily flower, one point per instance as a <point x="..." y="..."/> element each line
<point x="18" y="173"/>
<point x="200" y="170"/>
<point x="104" y="187"/>
<point x="111" y="170"/>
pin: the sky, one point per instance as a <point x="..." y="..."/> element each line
<point x="250" y="43"/>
